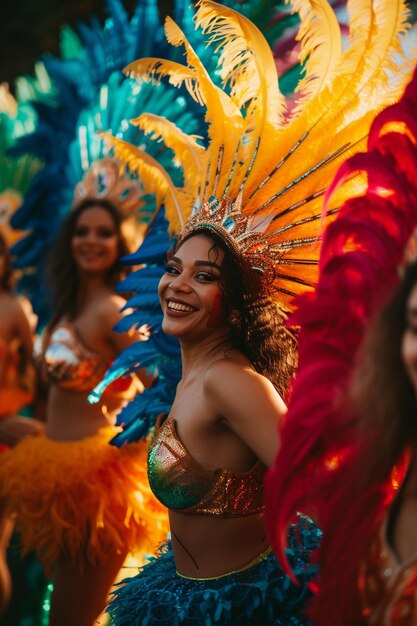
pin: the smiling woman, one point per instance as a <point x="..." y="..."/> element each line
<point x="94" y="244"/>
<point x="250" y="202"/>
<point x="208" y="457"/>
<point x="88" y="503"/>
<point x="191" y="291"/>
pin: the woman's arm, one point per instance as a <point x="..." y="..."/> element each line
<point x="249" y="405"/>
<point x="111" y="315"/>
<point x="23" y="328"/>
<point x="15" y="428"/>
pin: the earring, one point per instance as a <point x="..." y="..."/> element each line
<point x="235" y="317"/>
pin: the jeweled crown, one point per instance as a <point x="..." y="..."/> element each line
<point x="107" y="180"/>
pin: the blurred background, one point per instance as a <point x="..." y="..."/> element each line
<point x="29" y="28"/>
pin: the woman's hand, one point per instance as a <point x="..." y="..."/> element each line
<point x="14" y="429"/>
<point x="144" y="332"/>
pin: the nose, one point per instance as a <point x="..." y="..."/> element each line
<point x="180" y="283"/>
<point x="91" y="237"/>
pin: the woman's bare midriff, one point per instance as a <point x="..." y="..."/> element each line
<point x="71" y="417"/>
<point x="206" y="546"/>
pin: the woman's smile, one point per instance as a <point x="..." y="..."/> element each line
<point x="94" y="243"/>
<point x="175" y="307"/>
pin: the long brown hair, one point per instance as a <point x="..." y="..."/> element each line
<point x="62" y="270"/>
<point x="255" y="322"/>
<point x="381" y="391"/>
<point x="6" y="282"/>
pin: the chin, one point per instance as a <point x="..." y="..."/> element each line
<point x="168" y="329"/>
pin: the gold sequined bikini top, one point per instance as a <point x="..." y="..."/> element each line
<point x="181" y="484"/>
<point x="72" y="366"/>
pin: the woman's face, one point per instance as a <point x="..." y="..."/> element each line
<point x="409" y="343"/>
<point x="95" y="241"/>
<point x="190" y="292"/>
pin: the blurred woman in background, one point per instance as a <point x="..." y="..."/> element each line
<point x="87" y="503"/>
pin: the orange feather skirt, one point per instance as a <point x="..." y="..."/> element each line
<point x="81" y="498"/>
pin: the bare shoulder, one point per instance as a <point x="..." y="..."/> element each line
<point x="240" y="396"/>
<point x="10" y="301"/>
<point x="16" y="306"/>
<point x="228" y="376"/>
<point x="109" y="309"/>
<point x="109" y="312"/>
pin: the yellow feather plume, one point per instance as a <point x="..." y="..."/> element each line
<point x="247" y="64"/>
<point x="188" y="152"/>
<point x="276" y="166"/>
<point x="321" y="45"/>
<point x="226" y="123"/>
<point x="154" y="69"/>
<point x="246" y="61"/>
<point x="340" y="114"/>
<point x="154" y="178"/>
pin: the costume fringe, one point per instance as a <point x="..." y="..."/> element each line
<point x="259" y="595"/>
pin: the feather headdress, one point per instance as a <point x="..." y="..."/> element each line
<point x="262" y="177"/>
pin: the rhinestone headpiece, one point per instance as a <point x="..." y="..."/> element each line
<point x="225" y="219"/>
<point x="106" y="180"/>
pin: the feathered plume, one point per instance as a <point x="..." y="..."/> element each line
<point x="281" y="165"/>
<point x="322" y="457"/>
<point x="296" y="160"/>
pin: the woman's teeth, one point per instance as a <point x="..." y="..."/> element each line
<point x="176" y="306"/>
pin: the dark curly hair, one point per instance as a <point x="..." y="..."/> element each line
<point x="62" y="270"/>
<point x="255" y="321"/>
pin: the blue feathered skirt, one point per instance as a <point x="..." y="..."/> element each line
<point x="255" y="596"/>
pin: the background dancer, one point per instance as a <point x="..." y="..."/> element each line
<point x="87" y="504"/>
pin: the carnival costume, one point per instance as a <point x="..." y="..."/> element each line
<point x="323" y="452"/>
<point x="259" y="187"/>
<point x="84" y="497"/>
<point x="258" y="593"/>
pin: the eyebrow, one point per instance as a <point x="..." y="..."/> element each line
<point x="199" y="263"/>
<point x="412" y="312"/>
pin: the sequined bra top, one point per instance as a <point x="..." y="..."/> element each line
<point x="69" y="363"/>
<point x="72" y="366"/>
<point x="181" y="484"/>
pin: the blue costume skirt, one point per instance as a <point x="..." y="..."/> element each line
<point x="260" y="594"/>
